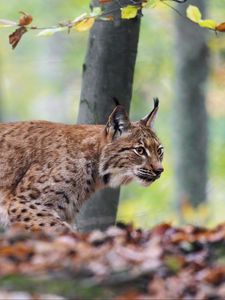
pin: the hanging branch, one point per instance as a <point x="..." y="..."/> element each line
<point x="86" y="21"/>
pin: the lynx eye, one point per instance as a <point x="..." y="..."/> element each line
<point x="160" y="151"/>
<point x="140" y="150"/>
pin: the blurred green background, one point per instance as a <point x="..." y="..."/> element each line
<point x="41" y="79"/>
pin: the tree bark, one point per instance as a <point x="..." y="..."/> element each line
<point x="107" y="72"/>
<point x="190" y="116"/>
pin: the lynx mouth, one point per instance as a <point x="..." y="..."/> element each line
<point x="147" y="176"/>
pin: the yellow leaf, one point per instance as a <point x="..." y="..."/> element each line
<point x="191" y="214"/>
<point x="187" y="211"/>
<point x="193" y="13"/>
<point x="51" y="31"/>
<point x="211" y="24"/>
<point x="129" y="12"/>
<point x="84" y="24"/>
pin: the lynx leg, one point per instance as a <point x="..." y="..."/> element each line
<point x="4" y="205"/>
<point x="33" y="217"/>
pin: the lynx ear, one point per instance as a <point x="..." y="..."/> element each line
<point x="149" y="119"/>
<point x="118" y="122"/>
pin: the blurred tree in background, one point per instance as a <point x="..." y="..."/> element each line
<point x="189" y="112"/>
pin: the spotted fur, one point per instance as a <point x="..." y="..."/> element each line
<point x="48" y="170"/>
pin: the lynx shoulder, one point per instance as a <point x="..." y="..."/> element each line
<point x="48" y="170"/>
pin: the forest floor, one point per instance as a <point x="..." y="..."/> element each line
<point x="121" y="263"/>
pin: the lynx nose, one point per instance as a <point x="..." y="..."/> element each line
<point x="158" y="171"/>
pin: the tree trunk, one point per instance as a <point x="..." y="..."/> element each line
<point x="107" y="72"/>
<point x="190" y="117"/>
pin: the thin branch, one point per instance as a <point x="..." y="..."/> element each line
<point x="174" y="9"/>
<point x="137" y="3"/>
<point x="180" y="14"/>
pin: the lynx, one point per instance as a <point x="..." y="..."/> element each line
<point x="48" y="170"/>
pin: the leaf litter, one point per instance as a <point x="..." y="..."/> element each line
<point x="165" y="262"/>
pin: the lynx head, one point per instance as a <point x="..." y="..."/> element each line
<point x="131" y="150"/>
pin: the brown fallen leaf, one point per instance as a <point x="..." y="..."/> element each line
<point x="220" y="27"/>
<point x="16" y="36"/>
<point x="130" y="295"/>
<point x="214" y="275"/>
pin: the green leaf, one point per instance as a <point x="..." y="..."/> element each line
<point x="51" y="31"/>
<point x="193" y="13"/>
<point x="211" y="24"/>
<point x="97" y="11"/>
<point x="129" y="12"/>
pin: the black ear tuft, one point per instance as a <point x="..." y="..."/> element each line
<point x="156" y="102"/>
<point x="149" y="119"/>
<point x="118" y="122"/>
<point x="116" y="101"/>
